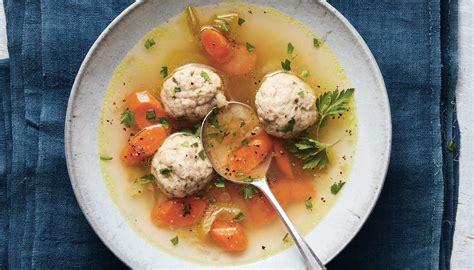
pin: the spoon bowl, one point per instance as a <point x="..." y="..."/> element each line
<point x="223" y="131"/>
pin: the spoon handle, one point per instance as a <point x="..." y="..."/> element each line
<point x="311" y="261"/>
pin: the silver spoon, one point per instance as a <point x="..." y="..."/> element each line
<point x="218" y="143"/>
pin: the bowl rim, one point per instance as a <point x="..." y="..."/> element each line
<point x="98" y="42"/>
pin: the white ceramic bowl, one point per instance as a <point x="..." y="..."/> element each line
<point x="342" y="222"/>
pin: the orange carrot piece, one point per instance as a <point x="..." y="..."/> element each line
<point x="301" y="190"/>
<point x="178" y="213"/>
<point x="141" y="103"/>
<point x="241" y="61"/>
<point x="229" y="235"/>
<point x="281" y="158"/>
<point x="248" y="157"/>
<point x="259" y="208"/>
<point x="144" y="144"/>
<point x="216" y="45"/>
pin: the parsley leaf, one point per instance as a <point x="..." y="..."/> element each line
<point x="290" y="48"/>
<point x="225" y="27"/>
<point x="308" y="204"/>
<point x="241" y="21"/>
<point x="316" y="43"/>
<point x="250" y="47"/>
<point x="239" y="217"/>
<point x="105" y="157"/>
<point x="301" y="94"/>
<point x="331" y="103"/>
<point x="304" y="73"/>
<point x="288" y="127"/>
<point x="336" y="187"/>
<point x="165" y="171"/>
<point x="186" y="209"/>
<point x="202" y="155"/>
<point x="175" y="240"/>
<point x="195" y="145"/>
<point x="249" y="192"/>
<point x="205" y="76"/>
<point x="145" y="179"/>
<point x="313" y="153"/>
<point x="163" y="121"/>
<point x="220" y="183"/>
<point x="127" y="118"/>
<point x="245" y="141"/>
<point x="150" y="114"/>
<point x="286" y="65"/>
<point x="164" y="71"/>
<point x="149" y="43"/>
<point x="177" y="89"/>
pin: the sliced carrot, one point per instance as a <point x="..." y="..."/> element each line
<point x="259" y="208"/>
<point x="241" y="61"/>
<point x="216" y="45"/>
<point x="229" y="235"/>
<point x="301" y="190"/>
<point x="144" y="144"/>
<point x="178" y="213"/>
<point x="248" y="157"/>
<point x="146" y="108"/>
<point x="281" y="158"/>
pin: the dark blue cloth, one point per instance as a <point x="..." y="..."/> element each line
<point x="414" y="42"/>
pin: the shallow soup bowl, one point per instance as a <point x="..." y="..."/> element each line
<point x="335" y="230"/>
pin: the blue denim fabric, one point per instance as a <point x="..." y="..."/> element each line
<point x="414" y="42"/>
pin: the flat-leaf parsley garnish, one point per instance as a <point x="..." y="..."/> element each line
<point x="241" y="21"/>
<point x="220" y="183"/>
<point x="202" y="155"/>
<point x="286" y="65"/>
<point x="331" y="103"/>
<point x="127" y="118"/>
<point x="313" y="153"/>
<point x="165" y="171"/>
<point x="290" y="48"/>
<point x="164" y="71"/>
<point x="239" y="217"/>
<point x="249" y="192"/>
<point x="145" y="179"/>
<point x="336" y="187"/>
<point x="316" y="43"/>
<point x="288" y="127"/>
<point x="149" y="43"/>
<point x="163" y="121"/>
<point x="250" y="47"/>
<point x="205" y="76"/>
<point x="308" y="204"/>
<point x="174" y="240"/>
<point x="105" y="157"/>
<point x="225" y="27"/>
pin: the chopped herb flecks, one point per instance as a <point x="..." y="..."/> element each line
<point x="245" y="142"/>
<point x="225" y="27"/>
<point x="127" y="118"/>
<point x="177" y="89"/>
<point x="164" y="71"/>
<point x="239" y="217"/>
<point x="165" y="171"/>
<point x="336" y="187"/>
<point x="288" y="127"/>
<point x="304" y="73"/>
<point x="286" y="65"/>
<point x="202" y="155"/>
<point x="149" y="43"/>
<point x="249" y="192"/>
<point x="145" y="179"/>
<point x="205" y="76"/>
<point x="250" y="47"/>
<point x="308" y="204"/>
<point x="150" y="114"/>
<point x="316" y="43"/>
<point x="212" y="200"/>
<point x="241" y="21"/>
<point x="220" y="183"/>
<point x="290" y="48"/>
<point x="301" y="94"/>
<point x="175" y="240"/>
<point x="163" y="121"/>
<point x="104" y="157"/>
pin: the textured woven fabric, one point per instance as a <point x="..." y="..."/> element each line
<point x="414" y="42"/>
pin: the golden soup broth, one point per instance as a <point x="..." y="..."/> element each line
<point x="269" y="31"/>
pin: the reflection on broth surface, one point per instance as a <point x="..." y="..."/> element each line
<point x="269" y="40"/>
